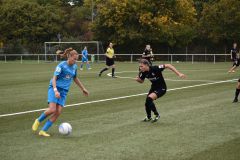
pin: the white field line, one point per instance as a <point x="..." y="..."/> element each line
<point x="116" y="98"/>
<point x="167" y="79"/>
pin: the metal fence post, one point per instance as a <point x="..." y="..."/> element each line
<point x="192" y="58"/>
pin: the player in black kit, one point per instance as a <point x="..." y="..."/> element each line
<point x="234" y="58"/>
<point x="158" y="88"/>
<point x="148" y="54"/>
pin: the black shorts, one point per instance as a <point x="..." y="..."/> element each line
<point x="109" y="61"/>
<point x="235" y="62"/>
<point x="158" y="91"/>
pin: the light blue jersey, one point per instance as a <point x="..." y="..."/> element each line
<point x="84" y="55"/>
<point x="65" y="74"/>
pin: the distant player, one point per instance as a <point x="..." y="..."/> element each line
<point x="85" y="58"/>
<point x="158" y="87"/>
<point x="65" y="72"/>
<point x="148" y="54"/>
<point x="109" y="61"/>
<point x="234" y="58"/>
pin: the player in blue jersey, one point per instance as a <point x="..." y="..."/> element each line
<point x="65" y="73"/>
<point x="85" y="58"/>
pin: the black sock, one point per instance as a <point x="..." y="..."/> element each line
<point x="113" y="70"/>
<point x="104" y="69"/>
<point x="149" y="102"/>
<point x="148" y="109"/>
<point x="154" y="109"/>
<point x="237" y="93"/>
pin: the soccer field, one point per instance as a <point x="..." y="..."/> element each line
<point x="198" y="119"/>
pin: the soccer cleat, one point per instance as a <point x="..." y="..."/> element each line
<point x="235" y="100"/>
<point x="156" y="118"/>
<point x="44" y="134"/>
<point x="35" y="125"/>
<point x="146" y="119"/>
<point x="89" y="68"/>
<point x="114" y="77"/>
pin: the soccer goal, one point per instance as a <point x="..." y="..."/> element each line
<point x="93" y="48"/>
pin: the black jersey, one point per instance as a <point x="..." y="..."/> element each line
<point x="147" y="52"/>
<point x="155" y="76"/>
<point x="234" y="52"/>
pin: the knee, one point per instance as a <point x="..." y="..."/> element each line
<point x="58" y="112"/>
<point x="149" y="101"/>
<point x="50" y="111"/>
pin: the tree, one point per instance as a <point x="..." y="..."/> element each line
<point x="169" y="21"/>
<point x="220" y="21"/>
<point x="29" y="21"/>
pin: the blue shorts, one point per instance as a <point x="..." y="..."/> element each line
<point x="52" y="99"/>
<point x="84" y="59"/>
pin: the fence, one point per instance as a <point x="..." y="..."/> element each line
<point x="192" y="58"/>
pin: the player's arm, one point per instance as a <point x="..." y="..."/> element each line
<point x="139" y="80"/>
<point x="54" y="84"/>
<point x="172" y="68"/>
<point x="81" y="86"/>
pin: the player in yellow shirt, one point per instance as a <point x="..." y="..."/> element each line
<point x="109" y="60"/>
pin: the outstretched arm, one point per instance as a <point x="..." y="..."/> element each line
<point x="139" y="80"/>
<point x="172" y="68"/>
<point x="80" y="85"/>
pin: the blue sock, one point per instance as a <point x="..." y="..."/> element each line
<point x="47" y="125"/>
<point x="88" y="66"/>
<point x="81" y="65"/>
<point x="42" y="117"/>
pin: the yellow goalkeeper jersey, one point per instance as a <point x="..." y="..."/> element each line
<point x="110" y="52"/>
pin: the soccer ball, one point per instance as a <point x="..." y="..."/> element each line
<point x="65" y="128"/>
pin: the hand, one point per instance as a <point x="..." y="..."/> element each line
<point x="182" y="75"/>
<point x="57" y="94"/>
<point x="85" y="92"/>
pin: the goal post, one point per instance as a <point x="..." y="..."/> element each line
<point x="50" y="48"/>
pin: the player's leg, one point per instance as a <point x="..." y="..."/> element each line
<point x="52" y="109"/>
<point x="153" y="96"/>
<point x="237" y="92"/>
<point x="148" y="110"/>
<point x="149" y="103"/>
<point x="103" y="70"/>
<point x="81" y="66"/>
<point x="43" y="116"/>
<point x="113" y="71"/>
<point x="108" y="64"/>
<point x="88" y="65"/>
<point x="235" y="64"/>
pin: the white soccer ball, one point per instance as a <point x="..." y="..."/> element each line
<point x="65" y="128"/>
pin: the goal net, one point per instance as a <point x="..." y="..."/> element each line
<point x="93" y="47"/>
